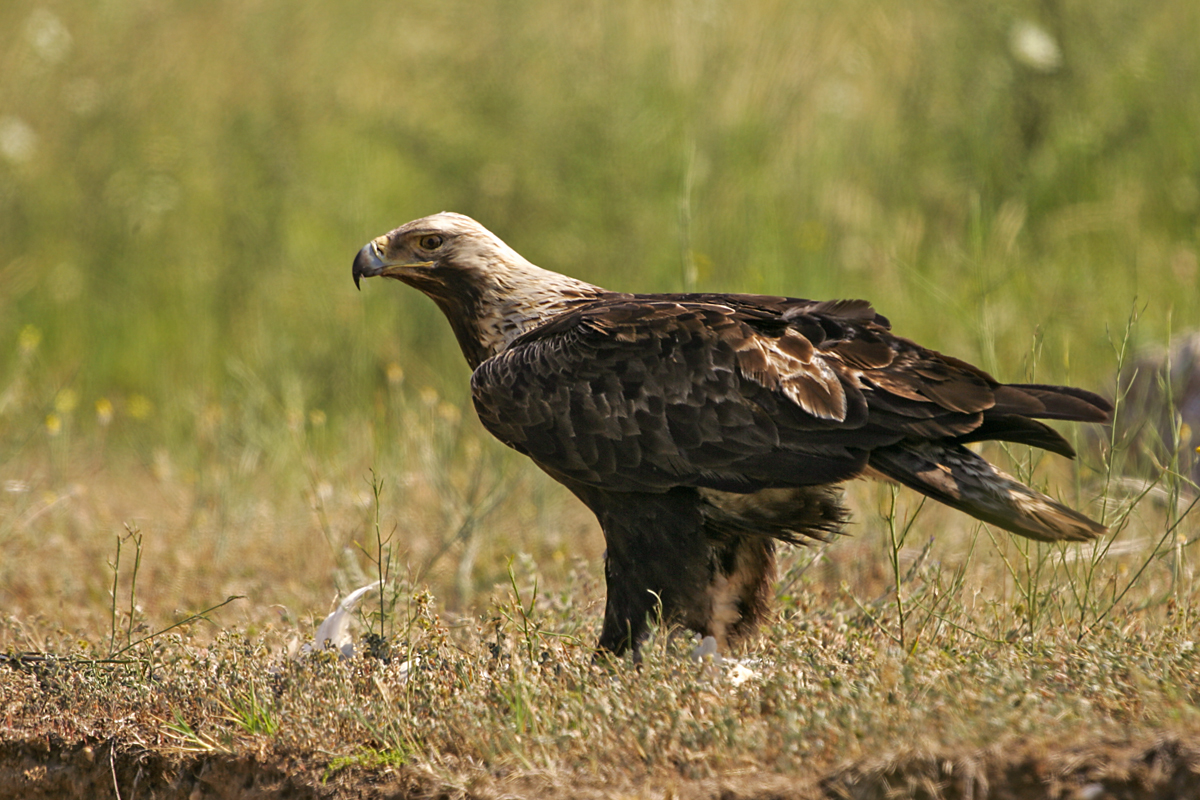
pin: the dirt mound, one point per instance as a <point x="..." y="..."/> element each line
<point x="47" y="769"/>
<point x="51" y="770"/>
<point x="1166" y="769"/>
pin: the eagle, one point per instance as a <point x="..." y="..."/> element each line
<point x="701" y="429"/>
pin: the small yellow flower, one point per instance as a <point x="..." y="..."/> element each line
<point x="139" y="406"/>
<point x="395" y="373"/>
<point x="316" y="418"/>
<point x="104" y="411"/>
<point x="65" y="401"/>
<point x="28" y="339"/>
<point x="449" y="413"/>
<point x="53" y="424"/>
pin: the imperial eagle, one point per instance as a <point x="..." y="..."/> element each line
<point x="703" y="428"/>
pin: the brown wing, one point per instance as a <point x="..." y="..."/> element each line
<point x="928" y="395"/>
<point x="647" y="394"/>
<point x="735" y="393"/>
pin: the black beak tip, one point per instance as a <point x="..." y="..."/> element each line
<point x="359" y="268"/>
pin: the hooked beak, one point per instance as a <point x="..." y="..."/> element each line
<point x="371" y="261"/>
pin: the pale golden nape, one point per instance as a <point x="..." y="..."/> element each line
<point x="492" y="291"/>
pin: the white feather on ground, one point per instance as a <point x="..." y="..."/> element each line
<point x="334" y="631"/>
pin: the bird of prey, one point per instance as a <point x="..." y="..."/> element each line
<point x="701" y="429"/>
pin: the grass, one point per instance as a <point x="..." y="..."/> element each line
<point x="893" y="654"/>
<point x="195" y="405"/>
<point x="514" y="694"/>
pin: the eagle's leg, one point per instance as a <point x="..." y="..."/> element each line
<point x="739" y="589"/>
<point x="663" y="561"/>
<point x="658" y="563"/>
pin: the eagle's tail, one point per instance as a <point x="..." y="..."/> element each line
<point x="952" y="474"/>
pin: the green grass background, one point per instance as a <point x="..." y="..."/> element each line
<point x="201" y="174"/>
<point x="183" y="187"/>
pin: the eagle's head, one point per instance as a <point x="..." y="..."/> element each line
<point x="436" y="254"/>
<point x="488" y="291"/>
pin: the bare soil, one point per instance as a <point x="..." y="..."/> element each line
<point x="35" y="769"/>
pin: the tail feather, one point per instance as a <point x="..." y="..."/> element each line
<point x="952" y="474"/>
<point x="1051" y="402"/>
<point x="1018" y="429"/>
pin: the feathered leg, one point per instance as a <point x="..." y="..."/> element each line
<point x="658" y="562"/>
<point x="701" y="559"/>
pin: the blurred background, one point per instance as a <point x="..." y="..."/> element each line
<point x="183" y="187"/>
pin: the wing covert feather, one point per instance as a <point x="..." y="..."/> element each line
<point x="646" y="395"/>
<point x="738" y="393"/>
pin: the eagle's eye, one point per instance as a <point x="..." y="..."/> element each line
<point x="432" y="242"/>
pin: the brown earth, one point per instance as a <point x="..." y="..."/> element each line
<point x="35" y="769"/>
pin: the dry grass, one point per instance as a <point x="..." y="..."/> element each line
<point x="991" y="651"/>
<point x="923" y="654"/>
